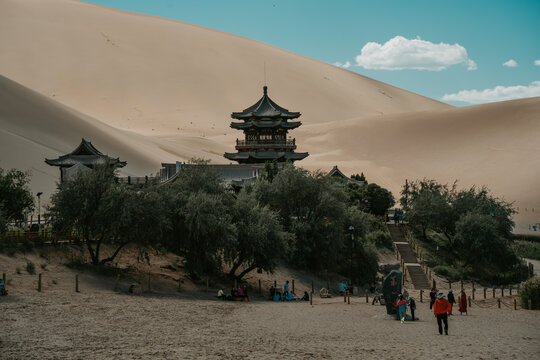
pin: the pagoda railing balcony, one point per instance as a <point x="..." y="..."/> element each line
<point x="262" y="144"/>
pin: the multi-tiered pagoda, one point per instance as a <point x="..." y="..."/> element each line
<point x="265" y="125"/>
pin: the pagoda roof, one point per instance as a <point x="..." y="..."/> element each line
<point x="335" y="172"/>
<point x="265" y="108"/>
<point x="85" y="154"/>
<point x="261" y="156"/>
<point x="266" y="124"/>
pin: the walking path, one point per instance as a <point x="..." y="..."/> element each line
<point x="416" y="273"/>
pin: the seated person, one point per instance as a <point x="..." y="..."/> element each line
<point x="284" y="296"/>
<point x="240" y="292"/>
<point x="3" y="290"/>
<point x="277" y="296"/>
<point x="306" y="296"/>
<point x="290" y="296"/>
<point x="221" y="294"/>
<point x="272" y="291"/>
<point x="234" y="292"/>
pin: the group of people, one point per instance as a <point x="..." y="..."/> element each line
<point x="286" y="295"/>
<point x="404" y="301"/>
<point x="434" y="294"/>
<point x="238" y="293"/>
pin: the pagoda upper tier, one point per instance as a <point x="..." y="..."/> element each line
<point x="265" y="125"/>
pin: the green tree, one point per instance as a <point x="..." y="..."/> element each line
<point x="15" y="195"/>
<point x="100" y="211"/>
<point x="260" y="240"/>
<point x="370" y="198"/>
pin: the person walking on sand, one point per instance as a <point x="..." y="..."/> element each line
<point x="402" y="308"/>
<point x="432" y="296"/>
<point x="441" y="309"/>
<point x="412" y="306"/>
<point x="451" y="300"/>
<point x="463" y="303"/>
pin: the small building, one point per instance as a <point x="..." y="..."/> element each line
<point x="335" y="173"/>
<point x="265" y="125"/>
<point x="83" y="158"/>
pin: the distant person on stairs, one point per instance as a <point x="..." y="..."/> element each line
<point x="441" y="309"/>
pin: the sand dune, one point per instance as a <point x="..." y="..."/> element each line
<point x="149" y="89"/>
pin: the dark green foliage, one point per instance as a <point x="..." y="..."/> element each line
<point x="260" y="240"/>
<point x="101" y="211"/>
<point x="15" y="196"/>
<point x="527" y="249"/>
<point x="527" y="237"/>
<point x="379" y="238"/>
<point x="30" y="268"/>
<point x="360" y="177"/>
<point x="471" y="229"/>
<point x="370" y="198"/>
<point x="530" y="290"/>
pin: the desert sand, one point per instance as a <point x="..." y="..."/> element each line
<point x="153" y="90"/>
<point x="164" y="324"/>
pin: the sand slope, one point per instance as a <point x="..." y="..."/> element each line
<point x="142" y="72"/>
<point x="150" y="90"/>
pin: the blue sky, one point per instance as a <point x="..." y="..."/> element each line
<point x="434" y="48"/>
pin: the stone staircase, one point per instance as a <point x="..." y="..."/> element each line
<point x="416" y="273"/>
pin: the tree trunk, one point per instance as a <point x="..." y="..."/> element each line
<point x="252" y="267"/>
<point x="111" y="258"/>
<point x="235" y="267"/>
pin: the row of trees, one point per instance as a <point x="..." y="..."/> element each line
<point x="15" y="197"/>
<point x="470" y="227"/>
<point x="304" y="219"/>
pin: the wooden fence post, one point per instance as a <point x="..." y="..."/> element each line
<point x="449" y="284"/>
<point x="367" y="296"/>
<point x="116" y="282"/>
<point x="311" y="298"/>
<point x="293" y="286"/>
<point x="76" y="282"/>
<point x="275" y="284"/>
<point x="259" y="286"/>
<point x="312" y="286"/>
<point x="515" y="304"/>
<point x="493" y="292"/>
<point x="469" y="301"/>
<point x="502" y="291"/>
<point x="421" y="295"/>
<point x="39" y="283"/>
<point x="511" y="290"/>
<point x="345" y="296"/>
<point x="530" y="304"/>
<point x="348" y="298"/>
<point x="4" y="278"/>
<point x="484" y="293"/>
<point x="499" y="303"/>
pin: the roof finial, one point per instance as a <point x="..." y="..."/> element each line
<point x="265" y="89"/>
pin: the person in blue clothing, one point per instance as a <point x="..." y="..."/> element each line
<point x="277" y="296"/>
<point x="402" y="308"/>
<point x="286" y="286"/>
<point x="290" y="296"/>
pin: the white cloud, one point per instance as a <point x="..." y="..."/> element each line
<point x="346" y="65"/>
<point x="498" y="93"/>
<point x="400" y="53"/>
<point x="537" y="62"/>
<point x="511" y="63"/>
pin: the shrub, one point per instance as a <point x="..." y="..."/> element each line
<point x="43" y="266"/>
<point x="530" y="290"/>
<point x="18" y="270"/>
<point x="30" y="268"/>
<point x="449" y="272"/>
<point x="380" y="239"/>
<point x="527" y="249"/>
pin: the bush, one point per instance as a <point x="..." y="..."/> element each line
<point x="381" y="239"/>
<point x="527" y="249"/>
<point x="44" y="266"/>
<point x="530" y="290"/>
<point x="30" y="268"/>
<point x="527" y="237"/>
<point x="449" y="272"/>
<point x="18" y="270"/>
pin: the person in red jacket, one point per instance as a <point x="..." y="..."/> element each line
<point x="441" y="309"/>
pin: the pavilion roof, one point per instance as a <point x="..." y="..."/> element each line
<point x="260" y="156"/>
<point x="265" y="108"/>
<point x="85" y="154"/>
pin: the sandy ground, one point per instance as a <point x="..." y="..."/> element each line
<point x="98" y="323"/>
